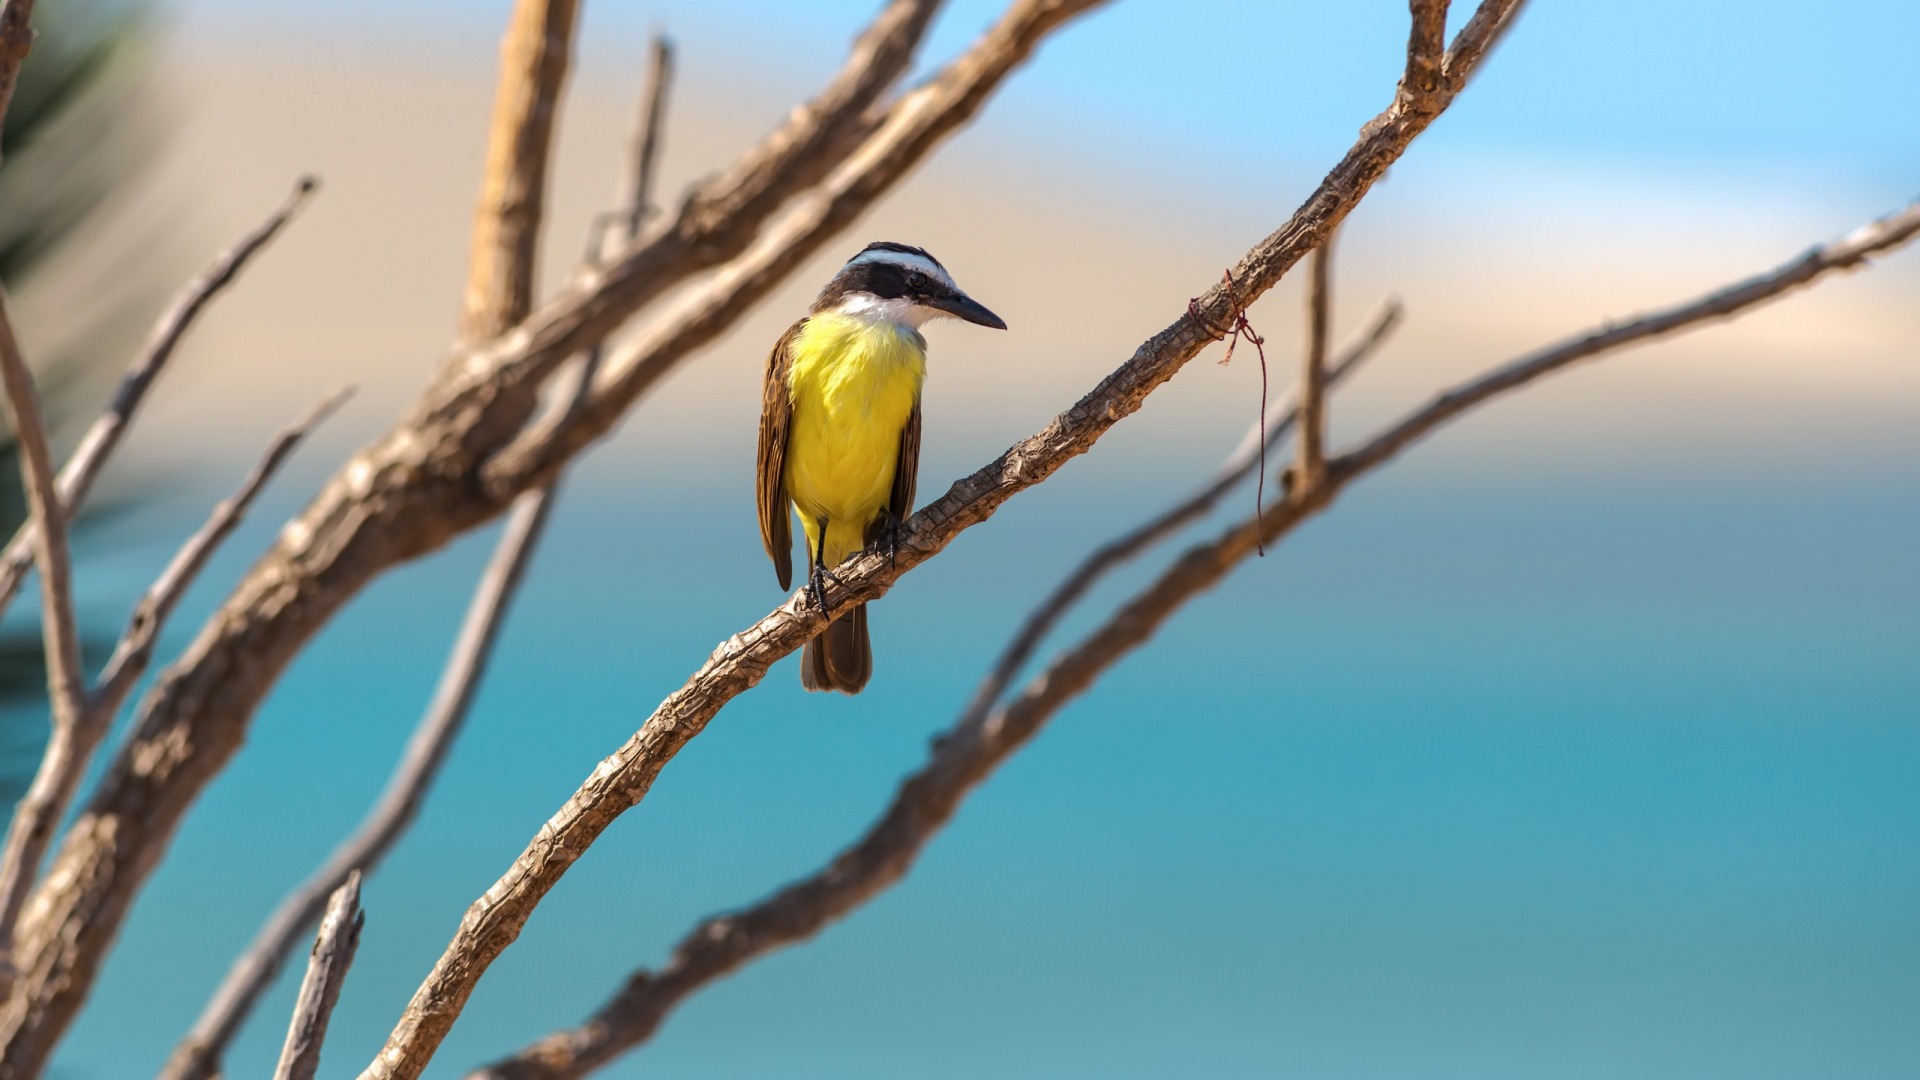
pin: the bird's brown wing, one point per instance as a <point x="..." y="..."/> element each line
<point x="776" y="417"/>
<point x="906" y="468"/>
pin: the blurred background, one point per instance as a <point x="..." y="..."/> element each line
<point x="1583" y="742"/>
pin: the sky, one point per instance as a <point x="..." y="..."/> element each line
<point x="1582" y="743"/>
<point x="1698" y="86"/>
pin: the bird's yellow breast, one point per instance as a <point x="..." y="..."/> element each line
<point x="852" y="385"/>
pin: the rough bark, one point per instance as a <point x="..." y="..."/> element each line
<point x="534" y="56"/>
<point x="332" y="955"/>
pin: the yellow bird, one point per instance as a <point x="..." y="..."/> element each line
<point x="840" y="431"/>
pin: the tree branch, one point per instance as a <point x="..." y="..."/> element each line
<point x="648" y="124"/>
<point x="981" y="740"/>
<point x="200" y="1054"/>
<point x="333" y="950"/>
<point x="100" y="441"/>
<point x="1426" y="49"/>
<point x="622" y="780"/>
<point x="506" y="223"/>
<point x="70" y="744"/>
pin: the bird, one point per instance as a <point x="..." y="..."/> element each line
<point x="840" y="432"/>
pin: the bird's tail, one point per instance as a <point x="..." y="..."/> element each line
<point x="841" y="658"/>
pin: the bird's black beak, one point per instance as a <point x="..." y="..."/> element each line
<point x="961" y="306"/>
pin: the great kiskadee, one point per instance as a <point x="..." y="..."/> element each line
<point x="840" y="430"/>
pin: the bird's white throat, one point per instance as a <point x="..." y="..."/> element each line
<point x="898" y="311"/>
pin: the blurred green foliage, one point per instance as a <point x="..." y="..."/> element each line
<point x="72" y="137"/>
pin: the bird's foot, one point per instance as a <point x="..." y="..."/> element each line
<point x="887" y="540"/>
<point x="817" y="579"/>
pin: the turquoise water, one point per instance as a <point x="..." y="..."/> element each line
<point x="1477" y="776"/>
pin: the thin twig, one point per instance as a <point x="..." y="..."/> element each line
<point x="90" y="457"/>
<point x="66" y="683"/>
<point x="646" y="137"/>
<point x="134" y="651"/>
<point x="621" y="780"/>
<point x="1310" y="464"/>
<point x="333" y="950"/>
<point x="200" y="1054"/>
<point x="967" y="753"/>
<point x="70" y="744"/>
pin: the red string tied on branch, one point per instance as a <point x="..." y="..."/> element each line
<point x="1237" y="328"/>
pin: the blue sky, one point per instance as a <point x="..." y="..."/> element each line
<point x="1757" y="85"/>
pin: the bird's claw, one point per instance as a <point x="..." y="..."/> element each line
<point x="817" y="579"/>
<point x="887" y="541"/>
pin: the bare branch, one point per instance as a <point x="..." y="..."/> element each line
<point x="333" y="950"/>
<point x="1488" y="24"/>
<point x="69" y="746"/>
<point x="65" y="680"/>
<point x="622" y="780"/>
<point x="506" y="223"/>
<point x="980" y="741"/>
<point x="134" y="651"/>
<point x="77" y="477"/>
<point x="648" y="124"/>
<point x="1426" y="48"/>
<point x="1310" y="464"/>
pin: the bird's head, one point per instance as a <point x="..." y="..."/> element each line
<point x="900" y="284"/>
